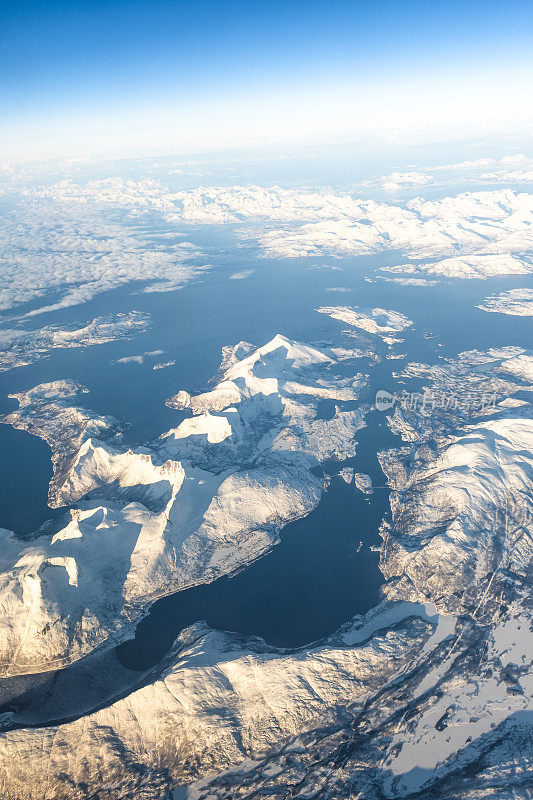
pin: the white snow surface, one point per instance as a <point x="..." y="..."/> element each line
<point x="254" y="700"/>
<point x="459" y="525"/>
<point x="18" y="348"/>
<point x="156" y="520"/>
<point x="478" y="475"/>
<point x="517" y="302"/>
<point x="484" y="223"/>
<point x="46" y="411"/>
<point x="363" y="482"/>
<point x="486" y="265"/>
<point x="378" y="321"/>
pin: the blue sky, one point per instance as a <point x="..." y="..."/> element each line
<point x="79" y="77"/>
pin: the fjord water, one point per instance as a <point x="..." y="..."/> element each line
<point x="321" y="573"/>
<point x="318" y="576"/>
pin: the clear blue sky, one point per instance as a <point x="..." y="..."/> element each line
<point x="65" y="67"/>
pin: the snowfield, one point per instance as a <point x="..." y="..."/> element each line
<point x="378" y="321"/>
<point x="204" y="500"/>
<point x="518" y="302"/>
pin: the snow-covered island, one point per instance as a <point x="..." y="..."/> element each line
<point x="518" y="302"/>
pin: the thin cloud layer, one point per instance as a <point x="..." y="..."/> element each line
<point x="72" y="252"/>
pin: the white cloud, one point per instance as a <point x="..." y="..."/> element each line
<point x="465" y="166"/>
<point x="481" y="164"/>
<point x="130" y="360"/>
<point x="139" y="359"/>
<point x="240" y="276"/>
<point x="75" y="251"/>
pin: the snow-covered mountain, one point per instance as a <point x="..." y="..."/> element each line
<point x="429" y="694"/>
